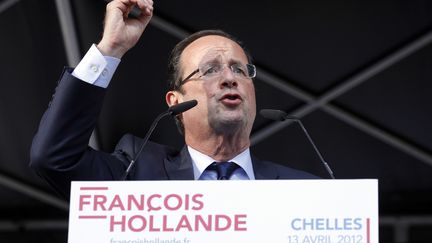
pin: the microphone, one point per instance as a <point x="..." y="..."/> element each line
<point x="278" y="115"/>
<point x="182" y="107"/>
<point x="172" y="111"/>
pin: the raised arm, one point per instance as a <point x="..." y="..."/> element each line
<point x="60" y="151"/>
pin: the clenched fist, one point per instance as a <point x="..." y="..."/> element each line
<point x="120" y="32"/>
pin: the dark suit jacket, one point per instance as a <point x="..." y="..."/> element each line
<point x="60" y="152"/>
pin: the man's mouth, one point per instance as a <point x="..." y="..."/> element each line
<point x="231" y="99"/>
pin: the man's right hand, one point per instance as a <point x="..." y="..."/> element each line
<point x="120" y="32"/>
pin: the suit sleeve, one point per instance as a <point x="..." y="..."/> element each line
<point x="60" y="152"/>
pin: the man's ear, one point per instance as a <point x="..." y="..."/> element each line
<point x="173" y="98"/>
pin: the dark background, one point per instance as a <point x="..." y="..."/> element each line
<point x="358" y="73"/>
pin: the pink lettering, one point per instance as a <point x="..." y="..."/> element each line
<point x="137" y="223"/>
<point x="178" y="202"/>
<point x="219" y="224"/>
<point x="116" y="203"/>
<point x="82" y="202"/>
<point x="165" y="224"/>
<point x="239" y="224"/>
<point x="150" y="204"/>
<point x="186" y="202"/>
<point x="199" y="220"/>
<point x="151" y="225"/>
<point x="99" y="200"/>
<point x="197" y="200"/>
<point x="134" y="203"/>
<point x="121" y="222"/>
<point x="184" y="223"/>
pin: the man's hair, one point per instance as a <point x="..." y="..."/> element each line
<point x="174" y="71"/>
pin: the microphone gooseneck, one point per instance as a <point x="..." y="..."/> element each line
<point x="173" y="111"/>
<point x="278" y="115"/>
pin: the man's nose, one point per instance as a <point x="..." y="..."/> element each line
<point x="228" y="79"/>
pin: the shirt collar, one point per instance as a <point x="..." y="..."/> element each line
<point x="201" y="161"/>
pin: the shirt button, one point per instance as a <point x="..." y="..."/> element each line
<point x="94" y="68"/>
<point x="104" y="72"/>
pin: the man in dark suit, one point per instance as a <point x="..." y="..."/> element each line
<point x="209" y="66"/>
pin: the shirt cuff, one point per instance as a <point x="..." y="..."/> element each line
<point x="96" y="68"/>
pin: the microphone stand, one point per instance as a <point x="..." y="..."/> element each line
<point x="279" y="115"/>
<point x="173" y="111"/>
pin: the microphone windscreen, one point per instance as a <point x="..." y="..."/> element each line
<point x="276" y="115"/>
<point x="182" y="107"/>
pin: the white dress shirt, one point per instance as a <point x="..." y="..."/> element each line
<point x="201" y="161"/>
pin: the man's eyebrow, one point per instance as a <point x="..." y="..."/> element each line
<point x="210" y="59"/>
<point x="218" y="59"/>
<point x="236" y="61"/>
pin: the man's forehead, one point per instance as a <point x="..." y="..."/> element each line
<point x="212" y="47"/>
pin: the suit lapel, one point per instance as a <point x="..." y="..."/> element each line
<point x="179" y="167"/>
<point x="263" y="171"/>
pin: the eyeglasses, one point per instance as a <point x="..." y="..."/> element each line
<point x="214" y="70"/>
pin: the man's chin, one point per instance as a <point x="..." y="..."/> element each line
<point x="229" y="123"/>
<point x="231" y="116"/>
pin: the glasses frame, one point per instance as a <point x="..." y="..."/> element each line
<point x="198" y="70"/>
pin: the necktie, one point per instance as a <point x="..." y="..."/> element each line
<point x="224" y="169"/>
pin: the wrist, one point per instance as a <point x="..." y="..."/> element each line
<point x="110" y="49"/>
